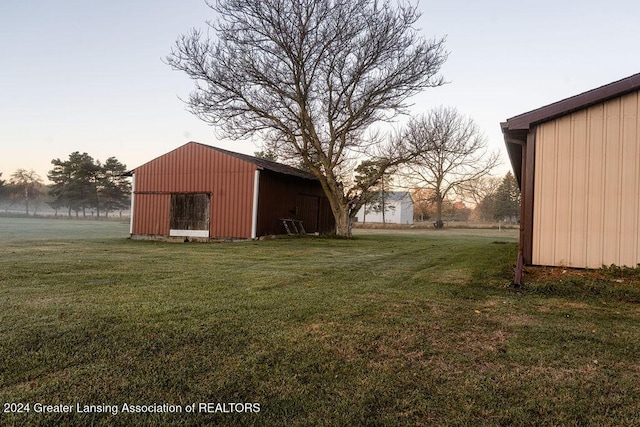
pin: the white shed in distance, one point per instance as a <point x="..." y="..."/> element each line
<point x="398" y="209"/>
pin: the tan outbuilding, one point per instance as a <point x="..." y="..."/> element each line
<point x="578" y="165"/>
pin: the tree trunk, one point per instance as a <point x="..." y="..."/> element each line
<point x="26" y="199"/>
<point x="341" y="214"/>
<point x="439" y="200"/>
<point x="384" y="206"/>
<point x="340" y="206"/>
<point x="343" y="223"/>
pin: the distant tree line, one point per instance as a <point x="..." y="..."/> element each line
<point x="78" y="185"/>
<point x="495" y="199"/>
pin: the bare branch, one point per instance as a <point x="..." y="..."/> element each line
<point x="308" y="76"/>
<point x="451" y="152"/>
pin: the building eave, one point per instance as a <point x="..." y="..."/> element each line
<point x="569" y="105"/>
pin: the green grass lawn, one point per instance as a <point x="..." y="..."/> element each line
<point x="390" y="328"/>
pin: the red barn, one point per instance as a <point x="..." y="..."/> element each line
<point x="201" y="192"/>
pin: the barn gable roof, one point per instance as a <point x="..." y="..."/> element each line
<point x="516" y="128"/>
<point x="263" y="164"/>
<point x="573" y="103"/>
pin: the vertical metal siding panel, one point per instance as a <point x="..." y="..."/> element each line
<point x="231" y="196"/>
<point x="198" y="169"/>
<point x="611" y="227"/>
<point x="545" y="195"/>
<point x="587" y="187"/>
<point x="249" y="179"/>
<point x="152" y="214"/>
<point x="637" y="180"/>
<point x="561" y="237"/>
<point x="208" y="173"/>
<point x="185" y="170"/>
<point x="548" y="233"/>
<point x="247" y="202"/>
<point x="246" y="208"/>
<point x="236" y="202"/>
<point x="185" y="167"/>
<point x="163" y="206"/>
<point x="183" y="184"/>
<point x="191" y="169"/>
<point x="225" y="192"/>
<point x="596" y="197"/>
<point x="148" y="173"/>
<point x="235" y="199"/>
<point x="137" y="220"/>
<point x="242" y="205"/>
<point x="217" y="196"/>
<point x="538" y="202"/>
<point x="629" y="182"/>
<point x="225" y="207"/>
<point x="579" y="190"/>
<point x="231" y="212"/>
<point x="241" y="193"/>
<point x="222" y="196"/>
<point x="169" y="169"/>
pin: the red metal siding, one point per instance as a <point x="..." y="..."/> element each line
<point x="195" y="168"/>
<point x="151" y="214"/>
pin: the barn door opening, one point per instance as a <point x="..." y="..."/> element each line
<point x="189" y="215"/>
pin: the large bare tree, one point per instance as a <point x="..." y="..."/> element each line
<point x="310" y="77"/>
<point x="456" y="154"/>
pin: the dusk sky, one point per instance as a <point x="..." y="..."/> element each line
<point x="88" y="76"/>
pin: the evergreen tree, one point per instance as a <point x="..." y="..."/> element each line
<point x="507" y="199"/>
<point x="74" y="183"/>
<point x="114" y="187"/>
<point x="60" y="191"/>
<point x="82" y="183"/>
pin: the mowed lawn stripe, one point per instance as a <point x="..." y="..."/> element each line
<point x="384" y="329"/>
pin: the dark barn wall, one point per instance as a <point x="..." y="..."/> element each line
<point x="285" y="196"/>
